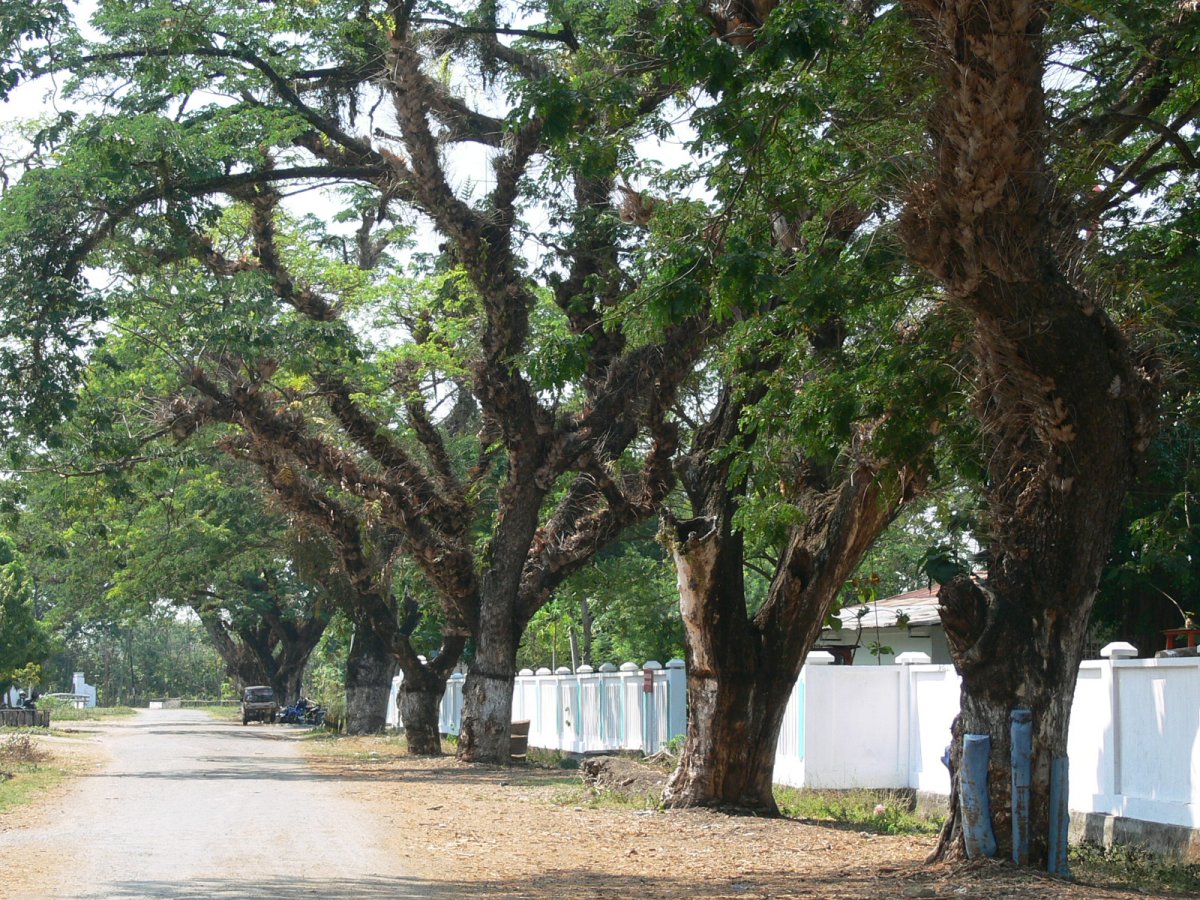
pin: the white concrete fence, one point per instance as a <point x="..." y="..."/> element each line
<point x="1134" y="742"/>
<point x="593" y="710"/>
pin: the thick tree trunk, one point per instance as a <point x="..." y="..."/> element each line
<point x="419" y="702"/>
<point x="1062" y="408"/>
<point x="488" y="692"/>
<point x="289" y="682"/>
<point x="730" y="719"/>
<point x="488" y="688"/>
<point x="369" y="671"/>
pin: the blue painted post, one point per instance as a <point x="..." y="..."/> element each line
<point x="973" y="803"/>
<point x="1022" y="780"/>
<point x="1059" y="819"/>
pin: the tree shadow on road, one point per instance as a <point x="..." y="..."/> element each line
<point x="852" y="883"/>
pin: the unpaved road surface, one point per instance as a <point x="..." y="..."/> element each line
<point x="189" y="807"/>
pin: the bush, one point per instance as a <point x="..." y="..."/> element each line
<point x="18" y="749"/>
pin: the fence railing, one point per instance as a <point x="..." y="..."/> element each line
<point x="1134" y="742"/>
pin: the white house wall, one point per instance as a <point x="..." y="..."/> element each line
<point x="927" y="639"/>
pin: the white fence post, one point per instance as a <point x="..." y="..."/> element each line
<point x="631" y="689"/>
<point x="1114" y="653"/>
<point x="908" y="725"/>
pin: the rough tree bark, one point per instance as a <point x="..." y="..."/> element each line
<point x="1063" y="407"/>
<point x="370" y="667"/>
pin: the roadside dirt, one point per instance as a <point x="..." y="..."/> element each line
<point x="533" y="833"/>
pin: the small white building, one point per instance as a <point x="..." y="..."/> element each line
<point x="81" y="688"/>
<point x="904" y="623"/>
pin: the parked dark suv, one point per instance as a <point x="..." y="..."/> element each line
<point x="258" y="705"/>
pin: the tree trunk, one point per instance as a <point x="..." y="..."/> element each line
<point x="419" y="705"/>
<point x="488" y="689"/>
<point x="1062" y="408"/>
<point x="369" y="671"/>
<point x="244" y="668"/>
<point x="722" y="762"/>
<point x="288" y="683"/>
<point x="488" y="697"/>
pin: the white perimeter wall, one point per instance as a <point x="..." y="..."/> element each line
<point x="1134" y="742"/>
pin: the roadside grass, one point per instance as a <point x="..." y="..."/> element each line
<point x="62" y="711"/>
<point x="92" y="714"/>
<point x="880" y="812"/>
<point x="26" y="770"/>
<point x="574" y="793"/>
<point x="1130" y="868"/>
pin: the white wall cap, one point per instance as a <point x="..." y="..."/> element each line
<point x="652" y="664"/>
<point x="630" y="667"/>
<point x="585" y="669"/>
<point x="543" y="671"/>
<point x="819" y="658"/>
<point x="563" y="670"/>
<point x="675" y="663"/>
<point x="913" y="658"/>
<point x="525" y="672"/>
<point x="607" y="667"/>
<point x="1119" y="650"/>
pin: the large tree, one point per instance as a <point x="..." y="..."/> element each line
<point x="830" y="391"/>
<point x="1019" y="182"/>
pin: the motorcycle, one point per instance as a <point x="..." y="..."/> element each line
<point x="302" y="712"/>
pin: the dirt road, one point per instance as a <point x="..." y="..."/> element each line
<point x="188" y="807"/>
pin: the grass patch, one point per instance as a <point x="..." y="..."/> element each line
<point x="881" y="812"/>
<point x="576" y="794"/>
<point x="540" y="758"/>
<point x="1134" y="869"/>
<point x="25" y="771"/>
<point x="66" y="712"/>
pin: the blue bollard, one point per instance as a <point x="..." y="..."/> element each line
<point x="1021" y="754"/>
<point x="1059" y="819"/>
<point x="973" y="803"/>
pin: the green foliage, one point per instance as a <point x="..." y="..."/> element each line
<point x="23" y="639"/>
<point x="634" y="604"/>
